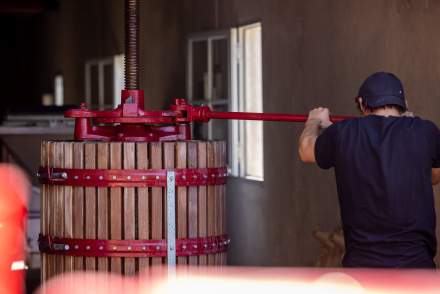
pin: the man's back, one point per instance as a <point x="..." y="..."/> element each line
<point x="383" y="173"/>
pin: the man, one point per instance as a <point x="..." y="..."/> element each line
<point x="385" y="165"/>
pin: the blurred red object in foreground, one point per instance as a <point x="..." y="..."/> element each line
<point x="229" y="280"/>
<point x="14" y="188"/>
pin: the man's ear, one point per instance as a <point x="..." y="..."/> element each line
<point x="361" y="105"/>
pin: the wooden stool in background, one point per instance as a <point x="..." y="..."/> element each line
<point x="332" y="248"/>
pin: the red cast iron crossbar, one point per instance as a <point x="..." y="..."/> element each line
<point x="131" y="248"/>
<point x="130" y="122"/>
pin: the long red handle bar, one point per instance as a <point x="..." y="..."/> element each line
<point x="268" y="116"/>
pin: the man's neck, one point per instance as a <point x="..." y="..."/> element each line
<point x="386" y="112"/>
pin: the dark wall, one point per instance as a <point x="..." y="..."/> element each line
<point x="63" y="40"/>
<point x="17" y="39"/>
<point x="316" y="53"/>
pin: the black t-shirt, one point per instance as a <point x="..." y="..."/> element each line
<point x="383" y="174"/>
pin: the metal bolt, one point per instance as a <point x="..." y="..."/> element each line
<point x="157" y="247"/>
<point x="76" y="247"/>
<point x="87" y="247"/>
<point x="143" y="178"/>
<point x="213" y="175"/>
<point x="101" y="177"/>
<point x="64" y="175"/>
<point x="129" y="247"/>
<point x="195" y="177"/>
<point x="114" y="177"/>
<point x="206" y="245"/>
<point x="114" y="248"/>
<point x="144" y="248"/>
<point x="66" y="247"/>
<point x="225" y="174"/>
<point x="101" y="247"/>
<point x="87" y="177"/>
<point x="157" y="177"/>
<point x="205" y="176"/>
<point x="75" y="177"/>
<point x="195" y="246"/>
<point x="184" y="177"/>
<point x="128" y="177"/>
<point x="183" y="247"/>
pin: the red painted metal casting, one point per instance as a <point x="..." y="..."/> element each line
<point x="130" y="122"/>
<point x="131" y="177"/>
<point x="131" y="248"/>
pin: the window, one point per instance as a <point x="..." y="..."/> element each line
<point x="247" y="96"/>
<point x="224" y="71"/>
<point x="208" y="74"/>
<point x="104" y="80"/>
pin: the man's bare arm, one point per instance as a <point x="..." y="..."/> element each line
<point x="318" y="119"/>
<point x="435" y="176"/>
<point x="307" y="141"/>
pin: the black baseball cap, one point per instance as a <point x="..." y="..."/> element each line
<point x="382" y="88"/>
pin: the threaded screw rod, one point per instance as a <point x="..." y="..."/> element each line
<point x="131" y="45"/>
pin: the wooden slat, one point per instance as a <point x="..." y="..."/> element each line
<point x="129" y="207"/>
<point x="202" y="201"/>
<point x="50" y="210"/>
<point x="223" y="159"/>
<point x="181" y="199"/>
<point x="78" y="203"/>
<point x="143" y="219"/>
<point x="58" y="208"/>
<point x="44" y="212"/>
<point x="192" y="199"/>
<point x="211" y="200"/>
<point x="102" y="204"/>
<point x="217" y="199"/>
<point x="68" y="204"/>
<point x="90" y="203"/>
<point x="169" y="149"/>
<point x="156" y="199"/>
<point x="116" y="205"/>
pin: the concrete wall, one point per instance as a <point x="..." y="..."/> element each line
<point x="314" y="53"/>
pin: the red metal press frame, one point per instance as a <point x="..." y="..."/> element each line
<point x="130" y="122"/>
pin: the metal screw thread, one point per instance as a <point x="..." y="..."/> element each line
<point x="131" y="45"/>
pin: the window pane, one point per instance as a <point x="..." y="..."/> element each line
<point x="108" y="86"/>
<point x="218" y="128"/>
<point x="200" y="70"/>
<point x="220" y="69"/>
<point x="253" y="101"/>
<point x="94" y="83"/>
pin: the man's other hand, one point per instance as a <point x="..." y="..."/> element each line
<point x="322" y="115"/>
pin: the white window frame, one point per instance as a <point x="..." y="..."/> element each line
<point x="117" y="62"/>
<point x="234" y="101"/>
<point x="238" y="103"/>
